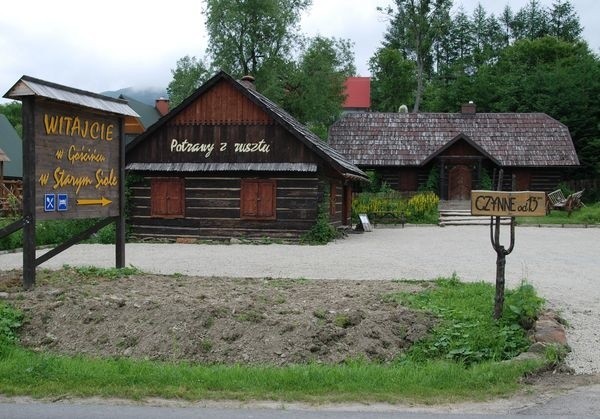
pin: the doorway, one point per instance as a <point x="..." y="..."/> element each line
<point x="459" y="183"/>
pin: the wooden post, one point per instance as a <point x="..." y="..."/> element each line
<point x="501" y="254"/>
<point x="120" y="221"/>
<point x="28" y="192"/>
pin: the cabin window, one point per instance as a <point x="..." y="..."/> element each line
<point x="258" y="199"/>
<point x="167" y="198"/>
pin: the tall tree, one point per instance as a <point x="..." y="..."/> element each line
<point x="415" y="26"/>
<point x="244" y="34"/>
<point x="12" y="111"/>
<point x="188" y="75"/>
<point x="564" y="22"/>
<point x="315" y="92"/>
<point x="506" y="23"/>
<point x="531" y="22"/>
<point x="393" y="80"/>
<point x="552" y="76"/>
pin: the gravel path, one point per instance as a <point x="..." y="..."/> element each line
<point x="562" y="263"/>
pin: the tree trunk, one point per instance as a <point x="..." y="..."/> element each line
<point x="419" y="93"/>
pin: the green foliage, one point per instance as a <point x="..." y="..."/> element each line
<point x="590" y="214"/>
<point x="12" y="111"/>
<point x="415" y="27"/>
<point x="315" y="90"/>
<point x="322" y="232"/>
<point x="261" y="38"/>
<point x="25" y="372"/>
<point x="245" y="35"/>
<point x="467" y="331"/>
<point x="419" y="209"/>
<point x="47" y="232"/>
<point x="10" y="322"/>
<point x="393" y="80"/>
<point x="376" y="184"/>
<point x="486" y="181"/>
<point x="555" y="354"/>
<point x="523" y="306"/>
<point x="565" y="189"/>
<point x="188" y="75"/>
<point x="433" y="181"/>
<point x="424" y="207"/>
<point x="342" y="320"/>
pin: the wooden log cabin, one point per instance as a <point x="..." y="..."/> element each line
<point x="228" y="162"/>
<point x="462" y="148"/>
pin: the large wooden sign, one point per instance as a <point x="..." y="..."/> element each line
<point x="77" y="162"/>
<point x="508" y="204"/>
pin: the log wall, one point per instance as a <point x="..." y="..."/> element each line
<point x="212" y="208"/>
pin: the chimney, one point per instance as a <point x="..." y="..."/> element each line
<point x="468" y="108"/>
<point x="248" y="82"/>
<point x="162" y="106"/>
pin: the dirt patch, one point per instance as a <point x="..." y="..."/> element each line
<point x="216" y="320"/>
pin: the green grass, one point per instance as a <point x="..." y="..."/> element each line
<point x="589" y="214"/>
<point x="466" y="332"/>
<point x="458" y="361"/>
<point x="23" y="372"/>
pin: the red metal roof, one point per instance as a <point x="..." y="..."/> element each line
<point x="358" y="93"/>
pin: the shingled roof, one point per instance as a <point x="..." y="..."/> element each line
<point x="301" y="132"/>
<point x="413" y="139"/>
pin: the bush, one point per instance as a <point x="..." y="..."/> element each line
<point x="466" y="331"/>
<point x="433" y="181"/>
<point x="421" y="208"/>
<point x="10" y="322"/>
<point x="322" y="232"/>
<point x="53" y="232"/>
<point x="523" y="305"/>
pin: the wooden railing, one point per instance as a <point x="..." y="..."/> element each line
<point x="11" y="197"/>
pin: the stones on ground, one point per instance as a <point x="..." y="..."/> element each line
<point x="550" y="331"/>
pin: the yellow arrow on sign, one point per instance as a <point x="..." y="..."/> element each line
<point x="102" y="201"/>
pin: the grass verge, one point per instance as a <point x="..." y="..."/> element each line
<point x="589" y="214"/>
<point x="23" y="372"/>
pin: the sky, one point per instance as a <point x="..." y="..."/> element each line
<point x="113" y="44"/>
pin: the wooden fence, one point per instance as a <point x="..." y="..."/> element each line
<point x="11" y="197"/>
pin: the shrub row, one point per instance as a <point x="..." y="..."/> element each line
<point x="391" y="207"/>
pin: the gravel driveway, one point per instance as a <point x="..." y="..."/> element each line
<point x="562" y="263"/>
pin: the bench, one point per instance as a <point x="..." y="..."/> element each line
<point x="558" y="201"/>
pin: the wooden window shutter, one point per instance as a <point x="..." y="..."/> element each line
<point x="249" y="203"/>
<point x="258" y="199"/>
<point x="167" y="198"/>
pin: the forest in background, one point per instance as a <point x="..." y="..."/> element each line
<point x="433" y="59"/>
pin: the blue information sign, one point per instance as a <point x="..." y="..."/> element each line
<point x="63" y="202"/>
<point x="49" y="202"/>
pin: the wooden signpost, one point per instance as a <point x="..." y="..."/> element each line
<point x="508" y="204"/>
<point x="73" y="164"/>
<point x="499" y="204"/>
